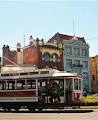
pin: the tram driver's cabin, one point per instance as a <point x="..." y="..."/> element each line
<point x="38" y="88"/>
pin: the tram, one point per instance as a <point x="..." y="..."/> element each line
<point x="37" y="89"/>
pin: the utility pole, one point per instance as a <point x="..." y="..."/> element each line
<point x="73" y="28"/>
<point x="24" y="40"/>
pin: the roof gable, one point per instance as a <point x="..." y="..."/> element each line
<point x="60" y="37"/>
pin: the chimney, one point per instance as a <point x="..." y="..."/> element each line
<point x="18" y="47"/>
<point x="31" y="40"/>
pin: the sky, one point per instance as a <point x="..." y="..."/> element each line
<point x="44" y="18"/>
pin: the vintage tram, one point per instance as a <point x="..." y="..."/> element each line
<point x="37" y="89"/>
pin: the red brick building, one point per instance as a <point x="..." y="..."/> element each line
<point x="37" y="53"/>
<point x="9" y="56"/>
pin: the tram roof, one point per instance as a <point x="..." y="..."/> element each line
<point x="39" y="73"/>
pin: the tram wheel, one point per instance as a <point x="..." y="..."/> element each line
<point x="7" y="109"/>
<point x="31" y="109"/>
<point x="16" y="109"/>
<point x="40" y="109"/>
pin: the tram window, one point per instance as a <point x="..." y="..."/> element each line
<point x="44" y="72"/>
<point x="15" y="74"/>
<point x="69" y="84"/>
<point x="61" y="85"/>
<point x="4" y="74"/>
<point x="10" y="85"/>
<point x="31" y="84"/>
<point x="43" y="83"/>
<point x="11" y="74"/>
<point x="24" y="73"/>
<point x="20" y="85"/>
<point x="32" y="73"/>
<point x="41" y="87"/>
<point x="2" y="85"/>
<point x="76" y="84"/>
<point x="79" y="84"/>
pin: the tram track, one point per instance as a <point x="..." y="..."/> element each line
<point x="50" y="111"/>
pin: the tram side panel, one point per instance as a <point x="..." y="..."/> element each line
<point x="17" y="93"/>
<point x="38" y="93"/>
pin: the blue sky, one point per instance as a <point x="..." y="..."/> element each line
<point x="43" y="18"/>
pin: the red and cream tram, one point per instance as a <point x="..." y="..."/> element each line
<point x="33" y="89"/>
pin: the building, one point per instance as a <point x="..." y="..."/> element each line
<point x="37" y="53"/>
<point x="10" y="57"/>
<point x="75" y="55"/>
<point x="94" y="73"/>
<point x="43" y="55"/>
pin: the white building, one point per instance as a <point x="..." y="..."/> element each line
<point x="75" y="56"/>
<point x="76" y="59"/>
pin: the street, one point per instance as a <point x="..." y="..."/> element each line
<point x="49" y="116"/>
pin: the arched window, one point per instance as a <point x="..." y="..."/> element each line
<point x="54" y="57"/>
<point x="46" y="57"/>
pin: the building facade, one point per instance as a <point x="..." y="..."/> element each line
<point x="75" y="56"/>
<point x="43" y="55"/>
<point x="94" y="73"/>
<point x="37" y="53"/>
<point x="12" y="57"/>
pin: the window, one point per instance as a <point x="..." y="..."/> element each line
<point x="33" y="73"/>
<point x="2" y="85"/>
<point x="20" y="85"/>
<point x="68" y="62"/>
<point x="76" y="84"/>
<point x="77" y="62"/>
<point x="24" y="73"/>
<point x="10" y="85"/>
<point x="68" y="50"/>
<point x="84" y="52"/>
<point x="44" y="72"/>
<point x="7" y="85"/>
<point x="74" y="51"/>
<point x="78" y="52"/>
<point x="46" y="57"/>
<point x="31" y="84"/>
<point x="54" y="57"/>
<point x="85" y="64"/>
<point x="80" y="85"/>
<point x="85" y="77"/>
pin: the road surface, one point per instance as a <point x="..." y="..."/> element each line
<point x="49" y="116"/>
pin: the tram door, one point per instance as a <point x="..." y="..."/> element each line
<point x="68" y="90"/>
<point x="42" y="91"/>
